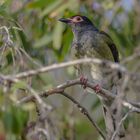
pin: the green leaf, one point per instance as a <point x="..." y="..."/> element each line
<point x="19" y="85"/>
<point x="38" y="3"/>
<point x="57" y="35"/>
<point x="14" y="119"/>
<point x="83" y="127"/>
<point x="50" y="8"/>
<point x="96" y="104"/>
<point x="61" y="8"/>
<point x="67" y="39"/>
<point x="46" y="39"/>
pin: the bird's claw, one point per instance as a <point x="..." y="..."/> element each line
<point x="83" y="81"/>
<point x="97" y="88"/>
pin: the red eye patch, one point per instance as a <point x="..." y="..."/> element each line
<point x="77" y="19"/>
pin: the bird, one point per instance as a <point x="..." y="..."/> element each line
<point x="90" y="42"/>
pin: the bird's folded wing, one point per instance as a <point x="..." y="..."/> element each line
<point x="111" y="45"/>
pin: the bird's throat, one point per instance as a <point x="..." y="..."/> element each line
<point x="79" y="31"/>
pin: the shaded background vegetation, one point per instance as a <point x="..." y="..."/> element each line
<point x="38" y="39"/>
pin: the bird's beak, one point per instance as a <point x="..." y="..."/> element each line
<point x="65" y="20"/>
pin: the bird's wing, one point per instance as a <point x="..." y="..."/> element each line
<point x="101" y="46"/>
<point x="112" y="48"/>
<point x="111" y="45"/>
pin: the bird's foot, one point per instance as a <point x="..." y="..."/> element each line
<point x="83" y="81"/>
<point x="97" y="88"/>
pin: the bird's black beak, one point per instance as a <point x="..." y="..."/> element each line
<point x="65" y="20"/>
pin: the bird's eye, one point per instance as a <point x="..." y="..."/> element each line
<point x="78" y="18"/>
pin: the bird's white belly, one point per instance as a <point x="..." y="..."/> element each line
<point x="96" y="73"/>
<point x="94" y="70"/>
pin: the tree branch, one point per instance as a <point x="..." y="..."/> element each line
<point x="84" y="111"/>
<point x="60" y="89"/>
<point x="107" y="95"/>
<point x="114" y="66"/>
<point x="120" y="123"/>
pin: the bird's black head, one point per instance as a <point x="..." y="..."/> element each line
<point x="76" y="20"/>
<point x="79" y="24"/>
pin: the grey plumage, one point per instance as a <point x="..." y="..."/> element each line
<point x="89" y="42"/>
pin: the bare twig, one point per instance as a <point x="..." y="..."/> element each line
<point x="60" y="89"/>
<point x="113" y="66"/>
<point x="44" y="132"/>
<point x="130" y="58"/>
<point x="39" y="99"/>
<point x="86" y="113"/>
<point x="8" y="38"/>
<point x="66" y="64"/>
<point x="120" y="123"/>
<point x="104" y="93"/>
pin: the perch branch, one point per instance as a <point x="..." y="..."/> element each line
<point x="60" y="89"/>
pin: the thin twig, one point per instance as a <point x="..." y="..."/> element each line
<point x="119" y="125"/>
<point x="60" y="88"/>
<point x="8" y="38"/>
<point x="44" y="132"/>
<point x="130" y="58"/>
<point x="104" y="93"/>
<point x="70" y="63"/>
<point x="86" y="113"/>
<point x="113" y="66"/>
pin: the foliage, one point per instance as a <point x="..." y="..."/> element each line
<point x="31" y="37"/>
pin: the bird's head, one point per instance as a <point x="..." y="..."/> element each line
<point x="77" y="22"/>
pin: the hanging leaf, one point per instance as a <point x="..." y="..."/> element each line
<point x="57" y="35"/>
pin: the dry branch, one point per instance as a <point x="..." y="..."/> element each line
<point x="61" y="88"/>
<point x="107" y="95"/>
<point x="114" y="66"/>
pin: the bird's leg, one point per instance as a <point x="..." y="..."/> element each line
<point x="83" y="81"/>
<point x="97" y="88"/>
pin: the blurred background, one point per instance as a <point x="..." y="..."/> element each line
<point x="31" y="37"/>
